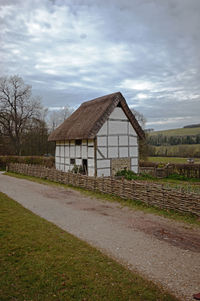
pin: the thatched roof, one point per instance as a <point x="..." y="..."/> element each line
<point x="87" y="120"/>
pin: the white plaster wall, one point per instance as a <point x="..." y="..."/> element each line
<point x="84" y="151"/>
<point x="66" y="151"/>
<point x="112" y="140"/>
<point x="134" y="161"/>
<point x="132" y="141"/>
<point x="91" y="172"/>
<point x="62" y="150"/>
<point x="71" y="167"/>
<point x="90" y="162"/>
<point x="103" y="172"/>
<point x="117" y="127"/>
<point x="123" y="140"/>
<point x="67" y="161"/>
<point x="133" y="150"/>
<point x="57" y="153"/>
<point x="131" y="130"/>
<point x="103" y="130"/>
<point x="66" y="168"/>
<point x="134" y="168"/>
<point x="103" y="151"/>
<point x="103" y="163"/>
<point x="123" y="152"/>
<point x="90" y="152"/>
<point x="112" y="152"/>
<point x="78" y="151"/>
<point x="72" y="151"/>
<point x="101" y="141"/>
<point x="118" y="113"/>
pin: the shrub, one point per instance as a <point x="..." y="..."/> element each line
<point x="45" y="161"/>
<point x="127" y="174"/>
<point x="78" y="169"/>
<point x="130" y="175"/>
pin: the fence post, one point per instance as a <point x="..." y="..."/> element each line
<point x="163" y="195"/>
<point x="123" y="187"/>
<point x="147" y="193"/>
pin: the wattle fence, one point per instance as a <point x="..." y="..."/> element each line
<point x="186" y="170"/>
<point x="149" y="193"/>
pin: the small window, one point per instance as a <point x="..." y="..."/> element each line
<point x="72" y="161"/>
<point x="78" y="142"/>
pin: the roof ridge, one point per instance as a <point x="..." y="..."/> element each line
<point x="98" y="99"/>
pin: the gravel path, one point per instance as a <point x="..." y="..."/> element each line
<point x="164" y="251"/>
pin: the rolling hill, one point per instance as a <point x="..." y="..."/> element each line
<point x="177" y="132"/>
<point x="182" y="142"/>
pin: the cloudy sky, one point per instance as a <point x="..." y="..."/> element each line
<point x="71" y="51"/>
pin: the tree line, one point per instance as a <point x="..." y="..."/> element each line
<point x="24" y="123"/>
<point x="160" y="139"/>
<point x="184" y="151"/>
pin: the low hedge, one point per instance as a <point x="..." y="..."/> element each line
<point x="45" y="161"/>
<point x="148" y="164"/>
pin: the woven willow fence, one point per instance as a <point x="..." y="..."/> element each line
<point x="187" y="170"/>
<point x="148" y="193"/>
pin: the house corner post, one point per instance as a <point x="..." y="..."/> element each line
<point x="95" y="156"/>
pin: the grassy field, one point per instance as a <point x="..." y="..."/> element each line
<point x="39" y="261"/>
<point x="177" y="132"/>
<point x="171" y="160"/>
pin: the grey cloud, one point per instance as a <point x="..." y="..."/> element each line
<point x="74" y="51"/>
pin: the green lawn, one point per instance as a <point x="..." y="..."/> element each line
<point x="39" y="261"/>
<point x="171" y="160"/>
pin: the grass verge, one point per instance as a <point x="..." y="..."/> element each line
<point x="171" y="160"/>
<point x="135" y="205"/>
<point x="39" y="261"/>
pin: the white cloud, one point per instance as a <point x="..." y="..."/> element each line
<point x="168" y="121"/>
<point x="140" y="85"/>
<point x="55" y="108"/>
<point x="142" y="96"/>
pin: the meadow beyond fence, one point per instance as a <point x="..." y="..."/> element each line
<point x="151" y="194"/>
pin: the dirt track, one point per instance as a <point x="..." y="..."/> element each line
<point x="165" y="251"/>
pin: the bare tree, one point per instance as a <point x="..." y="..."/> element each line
<point x="57" y="117"/>
<point x="143" y="145"/>
<point x="17" y="108"/>
<point x="140" y="118"/>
